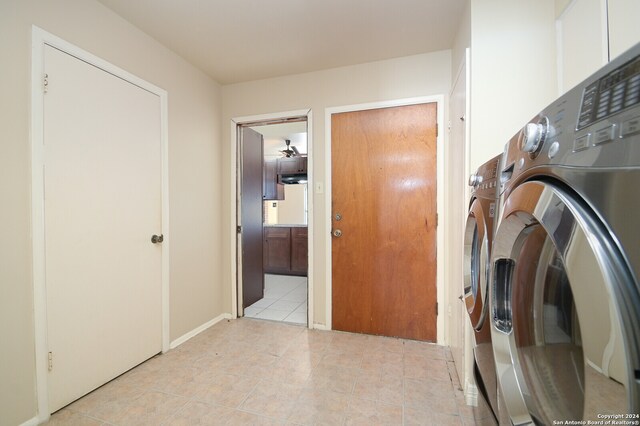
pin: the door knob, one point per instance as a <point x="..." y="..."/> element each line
<point x="157" y="239"/>
<point x="337" y="233"/>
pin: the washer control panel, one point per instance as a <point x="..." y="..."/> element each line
<point x="611" y="94"/>
<point x="484" y="181"/>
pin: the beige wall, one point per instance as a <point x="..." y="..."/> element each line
<point x="419" y="75"/>
<point x="508" y="86"/>
<point x="513" y="70"/>
<point x="194" y="176"/>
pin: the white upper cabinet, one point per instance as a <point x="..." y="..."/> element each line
<point x="582" y="41"/>
<point x="590" y="33"/>
<point x="624" y="30"/>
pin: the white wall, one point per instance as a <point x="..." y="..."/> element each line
<point x="419" y="75"/>
<point x="513" y="70"/>
<point x="194" y="176"/>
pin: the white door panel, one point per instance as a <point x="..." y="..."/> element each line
<point x="583" y="41"/>
<point x="102" y="205"/>
<point x="456" y="205"/>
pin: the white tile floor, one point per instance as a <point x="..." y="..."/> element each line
<point x="285" y="299"/>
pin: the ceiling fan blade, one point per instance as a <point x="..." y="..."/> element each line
<point x="295" y="150"/>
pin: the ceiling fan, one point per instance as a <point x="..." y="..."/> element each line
<point x="290" y="151"/>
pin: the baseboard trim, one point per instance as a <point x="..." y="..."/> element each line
<point x="318" y="326"/>
<point x="471" y="393"/>
<point x="35" y="421"/>
<point x="180" y="340"/>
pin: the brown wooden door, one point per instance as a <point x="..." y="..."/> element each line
<point x="384" y="187"/>
<point x="251" y="217"/>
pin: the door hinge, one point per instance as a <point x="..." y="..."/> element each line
<point x="437" y="130"/>
<point x="50" y="361"/>
<point x="45" y="83"/>
<point x="436" y="308"/>
<point x="437" y="220"/>
<point x="239" y="229"/>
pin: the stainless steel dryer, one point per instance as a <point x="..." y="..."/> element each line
<point x="565" y="297"/>
<point x="478" y="238"/>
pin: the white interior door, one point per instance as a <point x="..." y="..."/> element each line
<point x="102" y="142"/>
<point x="457" y="207"/>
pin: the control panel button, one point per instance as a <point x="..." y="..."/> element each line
<point x="605" y="134"/>
<point x="633" y="91"/>
<point x="474" y="179"/>
<point x="581" y="143"/>
<point x="533" y="135"/>
<point x="553" y="149"/>
<point x="630" y="126"/>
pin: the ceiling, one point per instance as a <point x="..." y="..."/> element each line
<point x="276" y="134"/>
<point x="242" y="40"/>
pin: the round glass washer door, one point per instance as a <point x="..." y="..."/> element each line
<point x="564" y="311"/>
<point x="476" y="264"/>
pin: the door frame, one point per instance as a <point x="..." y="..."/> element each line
<point x="40" y="39"/>
<point x="439" y="101"/>
<point x="236" y="266"/>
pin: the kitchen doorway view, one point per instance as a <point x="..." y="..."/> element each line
<point x="274" y="159"/>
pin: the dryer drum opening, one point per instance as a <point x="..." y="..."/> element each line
<point x="560" y="334"/>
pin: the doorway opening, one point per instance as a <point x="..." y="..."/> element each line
<point x="272" y="220"/>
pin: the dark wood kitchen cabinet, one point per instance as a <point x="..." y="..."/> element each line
<point x="285" y="250"/>
<point x="271" y="189"/>
<point x="299" y="250"/>
<point x="292" y="165"/>
<point x="277" y="250"/>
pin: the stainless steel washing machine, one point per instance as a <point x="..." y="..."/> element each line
<point x="565" y="297"/>
<point x="478" y="238"/>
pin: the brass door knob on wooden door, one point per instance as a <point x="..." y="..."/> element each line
<point x="337" y="233"/>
